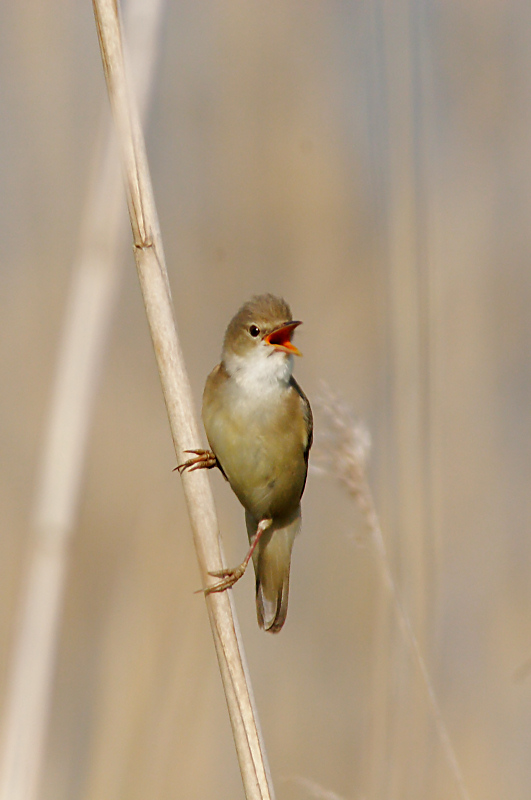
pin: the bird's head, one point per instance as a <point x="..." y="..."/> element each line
<point x="258" y="339"/>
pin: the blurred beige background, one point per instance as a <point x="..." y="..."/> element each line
<point x="371" y="162"/>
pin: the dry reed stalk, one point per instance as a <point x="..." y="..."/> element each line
<point x="154" y="283"/>
<point x="82" y="348"/>
<point x="343" y="451"/>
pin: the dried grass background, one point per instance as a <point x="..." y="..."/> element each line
<point x="371" y="163"/>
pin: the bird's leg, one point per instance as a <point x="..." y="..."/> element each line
<point x="204" y="459"/>
<point x="230" y="575"/>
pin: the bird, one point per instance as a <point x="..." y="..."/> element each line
<point x="259" y="426"/>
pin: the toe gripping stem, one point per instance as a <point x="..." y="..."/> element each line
<point x="204" y="459"/>
<point x="229" y="575"/>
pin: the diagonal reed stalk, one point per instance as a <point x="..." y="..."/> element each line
<point x="154" y="283"/>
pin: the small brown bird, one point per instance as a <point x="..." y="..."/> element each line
<point x="259" y="425"/>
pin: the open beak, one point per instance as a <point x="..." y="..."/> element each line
<point x="281" y="338"/>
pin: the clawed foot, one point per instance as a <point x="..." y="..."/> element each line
<point x="229" y="577"/>
<point x="204" y="459"/>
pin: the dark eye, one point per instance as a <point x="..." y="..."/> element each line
<point x="254" y="331"/>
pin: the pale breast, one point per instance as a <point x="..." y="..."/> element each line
<point x="260" y="442"/>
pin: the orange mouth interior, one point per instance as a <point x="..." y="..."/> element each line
<point x="281" y="339"/>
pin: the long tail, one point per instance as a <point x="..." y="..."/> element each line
<point x="272" y="559"/>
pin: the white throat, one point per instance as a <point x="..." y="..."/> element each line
<point x="262" y="371"/>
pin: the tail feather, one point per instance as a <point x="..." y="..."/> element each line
<point x="272" y="559"/>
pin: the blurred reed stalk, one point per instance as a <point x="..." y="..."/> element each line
<point x="155" y="287"/>
<point x="343" y="451"/>
<point x="313" y="789"/>
<point x="398" y="130"/>
<point x="95" y="280"/>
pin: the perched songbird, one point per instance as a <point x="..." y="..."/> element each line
<point x="258" y="423"/>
